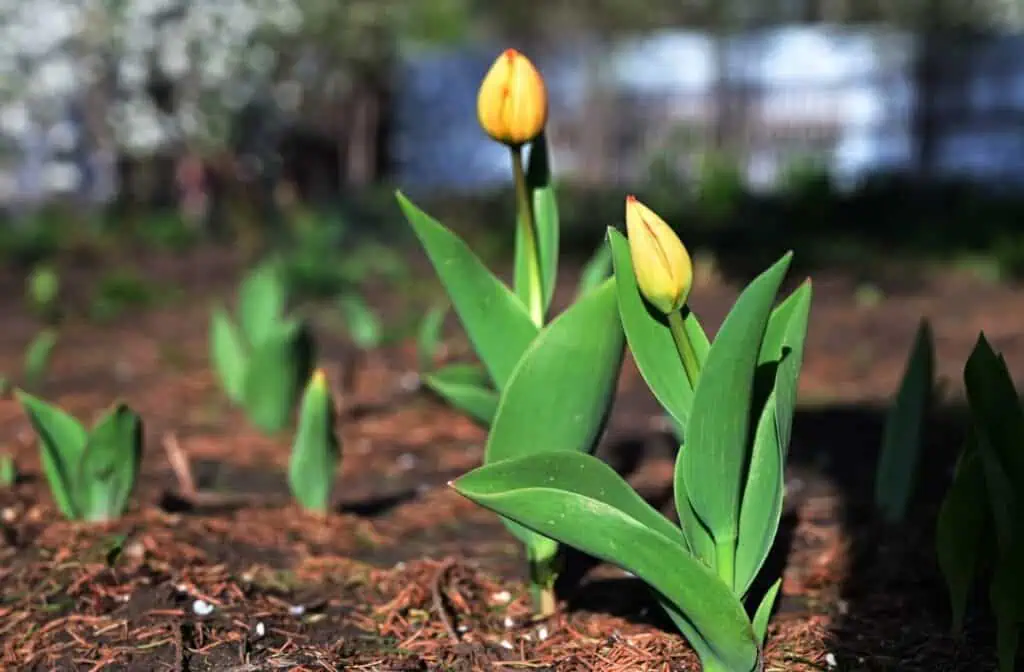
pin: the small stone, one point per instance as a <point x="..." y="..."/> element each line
<point x="261" y="629"/>
<point x="297" y="610"/>
<point x="202" y="608"/>
<point x="542" y="633"/>
<point x="509" y="623"/>
<point x="505" y="644"/>
<point x="830" y="659"/>
<point x="503" y="597"/>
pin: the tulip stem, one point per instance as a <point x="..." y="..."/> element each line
<point x="685" y="347"/>
<point x="524" y="205"/>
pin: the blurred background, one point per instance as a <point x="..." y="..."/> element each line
<point x="844" y="128"/>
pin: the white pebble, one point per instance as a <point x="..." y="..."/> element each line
<point x="542" y="633"/>
<point x="463" y="629"/>
<point x="202" y="608"/>
<point x="297" y="610"/>
<point x="509" y="623"/>
<point x="504" y="597"/>
<point x="260" y="629"/>
<point x="830" y="659"/>
<point x="505" y="644"/>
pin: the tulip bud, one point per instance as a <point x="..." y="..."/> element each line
<point x="512" y="104"/>
<point x="664" y="272"/>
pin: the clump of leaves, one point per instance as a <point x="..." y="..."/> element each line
<point x="91" y="473"/>
<point x="265" y="360"/>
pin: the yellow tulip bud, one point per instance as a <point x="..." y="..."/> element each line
<point x="664" y="272"/>
<point x="512" y="104"/>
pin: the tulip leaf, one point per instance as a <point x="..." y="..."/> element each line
<point x="596" y="270"/>
<point x="545" y="213"/>
<point x="962" y="524"/>
<point x="272" y="379"/>
<point x="228" y="352"/>
<point x="61" y="442"/>
<point x="1006" y="595"/>
<point x="466" y="387"/>
<point x="495" y="320"/>
<point x="315" y="450"/>
<point x="37" y="356"/>
<point x="261" y="303"/>
<point x="109" y="465"/>
<point x="428" y="336"/>
<point x="578" y="500"/>
<point x="715" y="454"/>
<point x="996" y="407"/>
<point x="904" y="430"/>
<point x="560" y="394"/>
<point x="764" y="611"/>
<point x="650" y="340"/>
<point x="781" y="356"/>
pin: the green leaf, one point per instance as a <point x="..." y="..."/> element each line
<point x="650" y="340"/>
<point x="578" y="500"/>
<point x="545" y="213"/>
<point x="228" y="353"/>
<point x="466" y="387"/>
<point x="495" y="320"/>
<point x="261" y="303"/>
<point x="781" y="356"/>
<point x="428" y="337"/>
<point x="996" y="407"/>
<point x="596" y="270"/>
<point x="764" y="611"/>
<point x="315" y="450"/>
<point x="271" y="386"/>
<point x="109" y="465"/>
<point x="960" y="528"/>
<point x="904" y="430"/>
<point x="37" y="357"/>
<point x="711" y="463"/>
<point x="561" y="393"/>
<point x="61" y="442"/>
<point x="361" y="322"/>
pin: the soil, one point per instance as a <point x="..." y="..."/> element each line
<point x="407" y="575"/>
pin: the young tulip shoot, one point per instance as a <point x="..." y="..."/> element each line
<point x="316" y="450"/>
<point x="512" y="104"/>
<point x="265" y="358"/>
<point x="91" y="473"/>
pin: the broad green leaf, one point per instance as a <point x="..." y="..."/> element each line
<point x="37" y="357"/>
<point x="545" y="213"/>
<point x="109" y="465"/>
<point x="61" y="442"/>
<point x="271" y="382"/>
<point x="466" y="387"/>
<point x="596" y="270"/>
<point x="764" y="611"/>
<point x="561" y="393"/>
<point x="361" y="322"/>
<point x="787" y="328"/>
<point x="650" y="340"/>
<point x="897" y="467"/>
<point x="428" y="337"/>
<point x="716" y="452"/>
<point x="781" y="356"/>
<point x="315" y="450"/>
<point x="708" y="660"/>
<point x="495" y="320"/>
<point x="261" y="303"/>
<point x="578" y="500"/>
<point x="228" y="353"/>
<point x="698" y="537"/>
<point x="996" y="407"/>
<point x="960" y="529"/>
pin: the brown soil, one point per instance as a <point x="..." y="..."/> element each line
<point x="406" y="575"/>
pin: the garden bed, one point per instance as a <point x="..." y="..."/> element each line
<point x="407" y="575"/>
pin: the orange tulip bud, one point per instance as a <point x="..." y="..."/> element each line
<point x="512" y="104"/>
<point x="664" y="272"/>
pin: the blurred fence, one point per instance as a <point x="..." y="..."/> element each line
<point x="852" y="100"/>
<point x="856" y="101"/>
